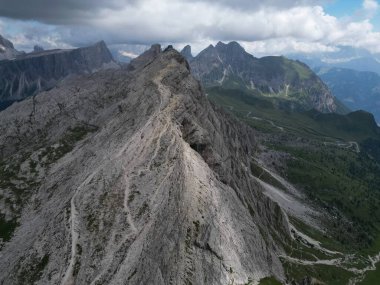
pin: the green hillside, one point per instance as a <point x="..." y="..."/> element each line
<point x="335" y="160"/>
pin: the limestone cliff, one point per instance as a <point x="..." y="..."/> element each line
<point x="31" y="73"/>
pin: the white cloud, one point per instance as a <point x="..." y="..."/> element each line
<point x="370" y="8"/>
<point x="370" y="5"/>
<point x="128" y="54"/>
<point x="303" y="28"/>
<point x="285" y="46"/>
<point x="47" y="41"/>
<point x="271" y="26"/>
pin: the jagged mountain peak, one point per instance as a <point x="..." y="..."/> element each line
<point x="99" y="48"/>
<point x="229" y="65"/>
<point x="186" y="52"/>
<point x="100" y="44"/>
<point x="209" y="51"/>
<point x="145" y="57"/>
<point x="234" y="55"/>
<point x="231" y="46"/>
<point x="38" y="48"/>
<point x="210" y="47"/>
<point x="220" y="44"/>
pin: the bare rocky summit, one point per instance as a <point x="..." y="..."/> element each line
<point x="186" y="53"/>
<point x="131" y="176"/>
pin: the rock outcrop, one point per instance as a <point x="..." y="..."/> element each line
<point x="186" y="53"/>
<point x="229" y="65"/>
<point x="38" y="48"/>
<point x="130" y="176"/>
<point x="38" y="71"/>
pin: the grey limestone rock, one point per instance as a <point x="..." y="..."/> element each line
<point x="131" y="176"/>
<point x="186" y="53"/>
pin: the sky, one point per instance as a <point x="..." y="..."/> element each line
<point x="261" y="26"/>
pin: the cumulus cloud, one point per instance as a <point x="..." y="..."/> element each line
<point x="370" y="8"/>
<point x="25" y="35"/>
<point x="275" y="26"/>
<point x="286" y="46"/>
<point x="128" y="53"/>
<point x="370" y="5"/>
<point x="258" y="4"/>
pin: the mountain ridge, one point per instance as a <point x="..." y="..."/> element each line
<point x="357" y="89"/>
<point x="136" y="179"/>
<point x="31" y="73"/>
<point x="231" y="66"/>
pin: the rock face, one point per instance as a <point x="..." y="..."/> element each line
<point x="130" y="176"/>
<point x="31" y="73"/>
<point x="7" y="50"/>
<point x="186" y="53"/>
<point x="229" y="65"/>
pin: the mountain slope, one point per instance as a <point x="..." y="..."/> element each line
<point x="357" y="89"/>
<point x="333" y="161"/>
<point x="229" y="65"/>
<point x="31" y="73"/>
<point x="131" y="176"/>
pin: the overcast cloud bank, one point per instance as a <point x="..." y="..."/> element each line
<point x="273" y="26"/>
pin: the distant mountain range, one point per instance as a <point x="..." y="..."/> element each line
<point x="357" y="89"/>
<point x="352" y="74"/>
<point x="346" y="57"/>
<point x="230" y="66"/>
<point x="291" y="83"/>
<point x="27" y="74"/>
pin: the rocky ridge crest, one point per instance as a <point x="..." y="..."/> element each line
<point x="230" y="66"/>
<point x="132" y="176"/>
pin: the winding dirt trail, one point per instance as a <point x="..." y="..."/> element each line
<point x="265" y="120"/>
<point x="347" y="145"/>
